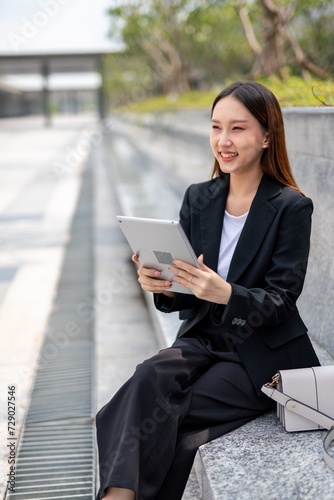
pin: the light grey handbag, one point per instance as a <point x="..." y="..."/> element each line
<point x="305" y="401"/>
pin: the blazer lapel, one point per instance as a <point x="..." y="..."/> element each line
<point x="259" y="219"/>
<point x="211" y="221"/>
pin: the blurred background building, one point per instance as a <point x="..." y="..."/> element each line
<point x="51" y="83"/>
<point x="51" y="57"/>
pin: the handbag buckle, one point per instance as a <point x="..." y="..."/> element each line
<point x="274" y="380"/>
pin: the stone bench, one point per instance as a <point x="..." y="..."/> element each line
<point x="260" y="460"/>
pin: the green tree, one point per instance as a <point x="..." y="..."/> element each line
<point x="177" y="45"/>
<point x="173" y="46"/>
<point x="270" y="28"/>
<point x="151" y="32"/>
<point x="315" y="29"/>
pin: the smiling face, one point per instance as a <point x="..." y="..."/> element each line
<point x="237" y="138"/>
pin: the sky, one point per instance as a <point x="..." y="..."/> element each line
<point x="35" y="26"/>
<point x="54" y="26"/>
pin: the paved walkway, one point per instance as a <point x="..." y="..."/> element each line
<point x="40" y="181"/>
<point x="123" y="329"/>
<point x="37" y="202"/>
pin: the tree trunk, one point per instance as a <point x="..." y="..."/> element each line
<point x="270" y="59"/>
<point x="176" y="82"/>
<point x="168" y="61"/>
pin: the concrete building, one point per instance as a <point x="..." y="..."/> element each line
<point x="52" y="83"/>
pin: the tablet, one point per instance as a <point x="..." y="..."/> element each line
<point x="157" y="243"/>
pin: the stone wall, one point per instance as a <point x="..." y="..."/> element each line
<point x="310" y="141"/>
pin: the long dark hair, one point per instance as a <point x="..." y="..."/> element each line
<point x="263" y="105"/>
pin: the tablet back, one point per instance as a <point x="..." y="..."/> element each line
<point x="157" y="243"/>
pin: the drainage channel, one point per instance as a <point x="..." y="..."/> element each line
<point x="56" y="455"/>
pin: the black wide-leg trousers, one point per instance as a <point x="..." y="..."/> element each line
<point x="181" y="398"/>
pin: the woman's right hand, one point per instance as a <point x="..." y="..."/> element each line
<point x="148" y="279"/>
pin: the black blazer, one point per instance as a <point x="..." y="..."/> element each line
<point x="261" y="320"/>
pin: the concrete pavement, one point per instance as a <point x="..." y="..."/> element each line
<point x="124" y="334"/>
<point x="40" y="180"/>
<point x="37" y="203"/>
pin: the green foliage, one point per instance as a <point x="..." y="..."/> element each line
<point x="315" y="28"/>
<point x="128" y="79"/>
<point x="216" y="45"/>
<point x="294" y="92"/>
<point x="180" y="44"/>
<point x="193" y="99"/>
<point x="297" y="92"/>
<point x="174" y="46"/>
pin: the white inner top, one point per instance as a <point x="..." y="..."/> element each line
<point x="232" y="228"/>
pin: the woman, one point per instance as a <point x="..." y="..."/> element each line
<point x="250" y="226"/>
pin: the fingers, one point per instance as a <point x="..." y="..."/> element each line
<point x="201" y="260"/>
<point x="203" y="266"/>
<point x="205" y="283"/>
<point x="135" y="259"/>
<point x="180" y="264"/>
<point x="192" y="277"/>
<point x="184" y="273"/>
<point x="149" y="278"/>
<point x="182" y="278"/>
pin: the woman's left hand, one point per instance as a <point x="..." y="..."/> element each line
<point x="203" y="282"/>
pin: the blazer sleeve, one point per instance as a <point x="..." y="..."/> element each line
<point x="275" y="301"/>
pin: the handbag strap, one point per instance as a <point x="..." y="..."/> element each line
<point x="327" y="441"/>
<point x="305" y="411"/>
<point x="298" y="407"/>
